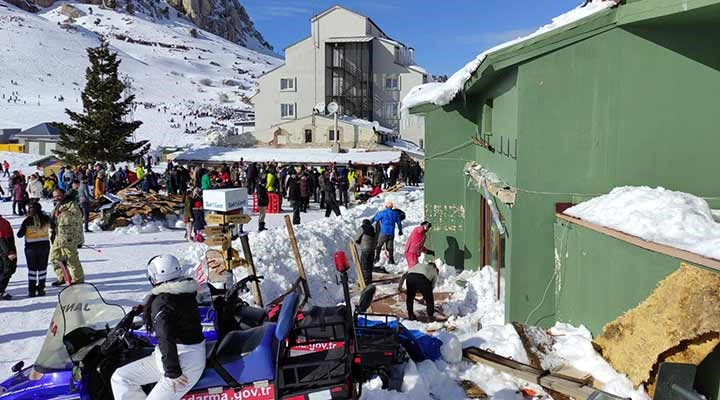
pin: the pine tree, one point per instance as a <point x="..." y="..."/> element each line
<point x="99" y="132"/>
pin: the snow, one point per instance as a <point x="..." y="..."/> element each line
<point x="206" y="79"/>
<point x="299" y="156"/>
<point x="657" y="215"/>
<point x="365" y="124"/>
<point x="116" y="265"/>
<point x="442" y="93"/>
<point x="19" y="161"/>
<point x="406" y="146"/>
<point x="574" y="345"/>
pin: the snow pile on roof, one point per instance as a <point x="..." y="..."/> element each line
<point x="406" y="146"/>
<point x="308" y="156"/>
<point x="658" y="215"/>
<point x="365" y="124"/>
<point x="442" y="93"/>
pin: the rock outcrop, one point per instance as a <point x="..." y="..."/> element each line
<point x="225" y="18"/>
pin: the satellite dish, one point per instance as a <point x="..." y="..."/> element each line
<point x="319" y="108"/>
<point x="376" y="125"/>
<point x="333" y="107"/>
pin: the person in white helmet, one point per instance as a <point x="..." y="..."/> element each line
<point x="171" y="311"/>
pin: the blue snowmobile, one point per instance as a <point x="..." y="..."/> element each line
<point x="327" y="354"/>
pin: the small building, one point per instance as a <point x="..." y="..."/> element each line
<point x="349" y="60"/>
<point x="625" y="95"/>
<point x="320" y="131"/>
<point x="41" y="139"/>
<point x="7" y="133"/>
<point x="48" y="165"/>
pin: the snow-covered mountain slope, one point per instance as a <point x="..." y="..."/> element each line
<point x="184" y="79"/>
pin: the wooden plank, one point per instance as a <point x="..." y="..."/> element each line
<point x="358" y="269"/>
<point x="652" y="246"/>
<point x="217" y="219"/>
<point x="566" y="385"/>
<point x="255" y="288"/>
<point x="237" y="219"/>
<point x="296" y="251"/>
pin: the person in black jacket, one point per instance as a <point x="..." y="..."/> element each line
<point x="295" y="197"/>
<point x="251" y="175"/>
<point x="171" y="311"/>
<point x="330" y="199"/>
<point x="36" y="231"/>
<point x="263" y="200"/>
<point x="367" y="241"/>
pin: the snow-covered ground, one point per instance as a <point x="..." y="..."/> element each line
<point x="117" y="267"/>
<point x="178" y="78"/>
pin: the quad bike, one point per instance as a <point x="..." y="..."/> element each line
<point x="326" y="352"/>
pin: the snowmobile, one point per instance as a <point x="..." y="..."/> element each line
<point x="81" y="351"/>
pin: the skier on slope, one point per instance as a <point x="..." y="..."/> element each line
<point x="171" y="311"/>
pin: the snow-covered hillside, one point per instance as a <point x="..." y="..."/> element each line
<point x="184" y="79"/>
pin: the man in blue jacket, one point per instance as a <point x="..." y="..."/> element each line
<point x="388" y="218"/>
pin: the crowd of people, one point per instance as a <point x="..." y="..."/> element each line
<point x="329" y="186"/>
<point x="57" y="235"/>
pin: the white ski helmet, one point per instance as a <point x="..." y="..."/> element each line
<point x="163" y="268"/>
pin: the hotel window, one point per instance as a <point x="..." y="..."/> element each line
<point x="287" y="84"/>
<point x="287" y="110"/>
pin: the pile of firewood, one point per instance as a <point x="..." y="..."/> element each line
<point x="150" y="206"/>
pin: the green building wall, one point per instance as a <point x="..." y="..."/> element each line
<point x="635" y="105"/>
<point x="600" y="277"/>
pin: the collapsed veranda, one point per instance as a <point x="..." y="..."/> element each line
<point x="626" y="96"/>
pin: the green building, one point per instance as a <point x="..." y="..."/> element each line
<point x="626" y="96"/>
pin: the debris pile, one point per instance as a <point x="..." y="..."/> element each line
<point x="116" y="211"/>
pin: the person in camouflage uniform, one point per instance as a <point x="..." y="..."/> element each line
<point x="67" y="238"/>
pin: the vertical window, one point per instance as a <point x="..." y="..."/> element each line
<point x="333" y="136"/>
<point x="287" y="110"/>
<point x="397" y="54"/>
<point x="392" y="83"/>
<point x="287" y="84"/>
<point x="391" y="110"/>
<point x="338" y="56"/>
<point x="308" y="135"/>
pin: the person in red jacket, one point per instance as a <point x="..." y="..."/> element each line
<point x="8" y="257"/>
<point x="415" y="244"/>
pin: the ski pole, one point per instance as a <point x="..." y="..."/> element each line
<point x="92" y="248"/>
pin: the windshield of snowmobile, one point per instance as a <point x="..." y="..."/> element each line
<point x="79" y="305"/>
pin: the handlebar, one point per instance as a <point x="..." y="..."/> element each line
<point x="117" y="333"/>
<point x="241" y="286"/>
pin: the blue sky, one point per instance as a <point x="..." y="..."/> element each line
<point x="446" y="34"/>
